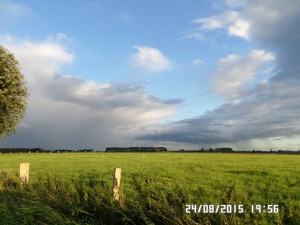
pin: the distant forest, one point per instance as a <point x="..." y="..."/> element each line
<point x="145" y="150"/>
<point x="137" y="149"/>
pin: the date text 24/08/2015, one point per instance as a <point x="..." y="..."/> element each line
<point x="225" y="208"/>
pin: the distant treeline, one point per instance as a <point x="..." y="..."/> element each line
<point x="230" y="150"/>
<point x="145" y="149"/>
<point x="209" y="150"/>
<point x="114" y="149"/>
<point x="39" y="150"/>
<point x="137" y="149"/>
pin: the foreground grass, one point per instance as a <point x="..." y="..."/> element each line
<point x="76" y="188"/>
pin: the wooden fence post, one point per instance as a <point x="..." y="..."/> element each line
<point x="116" y="183"/>
<point x="24" y="172"/>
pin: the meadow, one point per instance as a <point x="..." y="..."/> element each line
<point x="76" y="188"/>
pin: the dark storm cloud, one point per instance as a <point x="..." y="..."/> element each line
<point x="102" y="96"/>
<point x="275" y="24"/>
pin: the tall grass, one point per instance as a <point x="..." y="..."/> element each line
<point x="157" y="194"/>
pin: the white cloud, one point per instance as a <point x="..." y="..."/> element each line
<point x="151" y="59"/>
<point x="218" y="21"/>
<point x="231" y="20"/>
<point x="70" y="112"/>
<point x="39" y="60"/>
<point x="235" y="71"/>
<point x="210" y="23"/>
<point x="59" y="37"/>
<point x="197" y="61"/>
<point x="240" y="28"/>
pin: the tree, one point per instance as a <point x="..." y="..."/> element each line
<point x="13" y="93"/>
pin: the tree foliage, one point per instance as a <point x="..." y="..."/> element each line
<point x="13" y="93"/>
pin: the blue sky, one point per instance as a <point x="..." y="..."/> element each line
<point x="180" y="74"/>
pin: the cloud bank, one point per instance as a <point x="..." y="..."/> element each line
<point x="71" y="112"/>
<point x="267" y="111"/>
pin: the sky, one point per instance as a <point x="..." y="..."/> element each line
<point x="179" y="74"/>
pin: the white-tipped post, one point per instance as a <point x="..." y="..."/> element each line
<point x="116" y="183"/>
<point x="24" y="172"/>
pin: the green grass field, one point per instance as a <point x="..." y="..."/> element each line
<point x="76" y="188"/>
